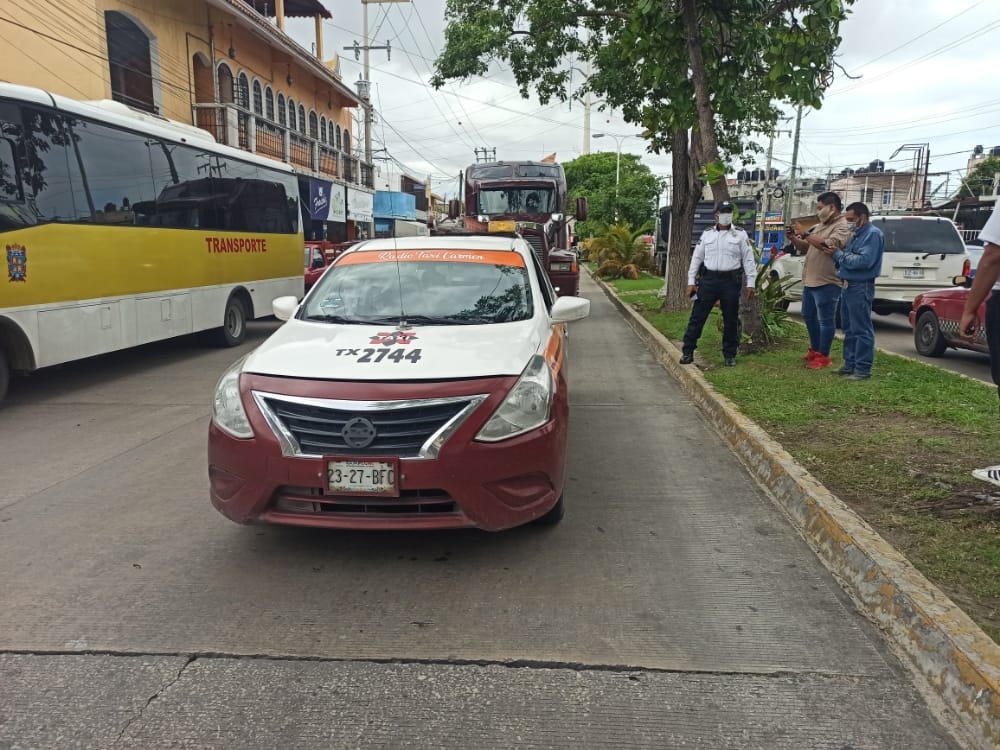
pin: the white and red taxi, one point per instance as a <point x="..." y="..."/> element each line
<point x="420" y="384"/>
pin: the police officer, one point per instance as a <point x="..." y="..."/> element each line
<point x="722" y="265"/>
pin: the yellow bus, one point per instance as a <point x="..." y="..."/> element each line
<point x="119" y="228"/>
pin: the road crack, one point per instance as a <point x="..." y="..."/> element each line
<point x="163" y="688"/>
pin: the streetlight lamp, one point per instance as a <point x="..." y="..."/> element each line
<point x="618" y="161"/>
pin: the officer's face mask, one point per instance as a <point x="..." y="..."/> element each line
<point x="725" y="220"/>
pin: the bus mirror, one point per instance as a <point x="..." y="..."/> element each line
<point x="454" y="209"/>
<point x="557" y="218"/>
<point x="581" y="209"/>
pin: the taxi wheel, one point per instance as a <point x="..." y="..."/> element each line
<point x="553" y="516"/>
<point x="927" y="338"/>
<point x="234" y="323"/>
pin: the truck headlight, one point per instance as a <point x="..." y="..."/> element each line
<point x="227" y="407"/>
<point x="525" y="408"/>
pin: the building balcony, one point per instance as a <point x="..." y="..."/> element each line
<point x="241" y="128"/>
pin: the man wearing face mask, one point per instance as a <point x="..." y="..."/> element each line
<point x="723" y="264"/>
<point x="820" y="284"/>
<point x="858" y="264"/>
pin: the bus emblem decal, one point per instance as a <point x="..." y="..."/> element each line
<point x="17" y="263"/>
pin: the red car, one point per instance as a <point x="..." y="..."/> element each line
<point x="420" y="384"/>
<point x="934" y="319"/>
<point x="315" y="263"/>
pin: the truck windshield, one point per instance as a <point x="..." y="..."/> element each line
<point x="520" y="200"/>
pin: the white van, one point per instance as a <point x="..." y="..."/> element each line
<point x="921" y="253"/>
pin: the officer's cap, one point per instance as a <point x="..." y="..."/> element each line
<point x="723" y="206"/>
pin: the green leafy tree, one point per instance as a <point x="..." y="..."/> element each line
<point x="700" y="76"/>
<point x="632" y="202"/>
<point x="620" y="252"/>
<point x="981" y="179"/>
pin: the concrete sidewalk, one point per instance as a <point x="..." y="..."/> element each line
<point x="936" y="639"/>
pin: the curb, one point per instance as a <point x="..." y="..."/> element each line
<point x="959" y="662"/>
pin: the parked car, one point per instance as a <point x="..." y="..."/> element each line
<point x="921" y="253"/>
<point x="935" y="317"/>
<point x="975" y="254"/>
<point x="315" y="263"/>
<point x="420" y="384"/>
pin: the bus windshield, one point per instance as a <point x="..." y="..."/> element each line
<point x="511" y="201"/>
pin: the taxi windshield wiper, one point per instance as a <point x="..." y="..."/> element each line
<point x="336" y="319"/>
<point x="436" y="320"/>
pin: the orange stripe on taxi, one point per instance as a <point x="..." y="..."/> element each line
<point x="555" y="349"/>
<point x="489" y="257"/>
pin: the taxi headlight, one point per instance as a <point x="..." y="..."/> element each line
<point x="227" y="407"/>
<point x="526" y="407"/>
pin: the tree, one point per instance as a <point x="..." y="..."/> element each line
<point x="633" y="202"/>
<point x="620" y="252"/>
<point x="981" y="179"/>
<point x="700" y="77"/>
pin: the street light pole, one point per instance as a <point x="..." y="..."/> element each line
<point x="618" y="160"/>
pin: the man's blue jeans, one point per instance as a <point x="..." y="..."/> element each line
<point x="819" y="311"/>
<point x="859" y="333"/>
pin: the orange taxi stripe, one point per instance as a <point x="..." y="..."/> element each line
<point x="555" y="349"/>
<point x="489" y="257"/>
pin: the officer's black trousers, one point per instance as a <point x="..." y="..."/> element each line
<point x="726" y="291"/>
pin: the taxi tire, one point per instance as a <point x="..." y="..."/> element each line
<point x="553" y="516"/>
<point x="927" y="338"/>
<point x="234" y="323"/>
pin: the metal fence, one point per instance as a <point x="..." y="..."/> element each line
<point x="236" y="126"/>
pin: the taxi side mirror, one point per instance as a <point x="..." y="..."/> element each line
<point x="961" y="281"/>
<point x="284" y="307"/>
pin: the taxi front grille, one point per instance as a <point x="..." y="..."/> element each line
<point x="320" y="427"/>
<point x="314" y="501"/>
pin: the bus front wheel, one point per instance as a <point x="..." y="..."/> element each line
<point x="4" y="373"/>
<point x="234" y="323"/>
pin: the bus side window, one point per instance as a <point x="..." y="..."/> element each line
<point x="50" y="176"/>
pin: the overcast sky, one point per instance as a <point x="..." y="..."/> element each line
<point x="928" y="75"/>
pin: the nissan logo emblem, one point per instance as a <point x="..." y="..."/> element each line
<point x="358" y="433"/>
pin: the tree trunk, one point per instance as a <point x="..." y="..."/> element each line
<point x="686" y="190"/>
<point x="705" y="131"/>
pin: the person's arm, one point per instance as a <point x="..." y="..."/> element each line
<point x="749" y="266"/>
<point x="839" y="237"/>
<point x="697" y="258"/>
<point x="863" y="255"/>
<point x="987" y="273"/>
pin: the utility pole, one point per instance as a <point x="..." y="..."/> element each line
<point x="488" y="154"/>
<point x="766" y="203"/>
<point x="586" y="114"/>
<point x="364" y="85"/>
<point x="790" y="192"/>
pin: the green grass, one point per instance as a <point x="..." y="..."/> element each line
<point x="643" y="283"/>
<point x="898" y="448"/>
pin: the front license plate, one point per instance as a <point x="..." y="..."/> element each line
<point x="363" y="477"/>
<point x="913" y="273"/>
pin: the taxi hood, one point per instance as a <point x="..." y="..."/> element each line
<point x="325" y="351"/>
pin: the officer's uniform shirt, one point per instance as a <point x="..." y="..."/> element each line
<point x="724" y="250"/>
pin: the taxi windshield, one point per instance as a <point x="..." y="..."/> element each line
<point x="359" y="289"/>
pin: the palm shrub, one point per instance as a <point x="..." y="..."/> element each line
<point x="621" y="253"/>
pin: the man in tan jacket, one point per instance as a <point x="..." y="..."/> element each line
<point x="820" y="285"/>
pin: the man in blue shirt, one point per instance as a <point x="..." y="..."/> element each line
<point x="858" y="265"/>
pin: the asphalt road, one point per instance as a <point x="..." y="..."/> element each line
<point x="893" y="333"/>
<point x="674" y="606"/>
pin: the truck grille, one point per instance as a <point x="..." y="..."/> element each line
<point x="408" y="429"/>
<point x="537" y="245"/>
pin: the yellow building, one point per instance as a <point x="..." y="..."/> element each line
<point x="226" y="66"/>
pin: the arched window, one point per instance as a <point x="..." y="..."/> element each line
<point x="244" y="91"/>
<point x="131" y="61"/>
<point x="337" y="142"/>
<point x="313" y="125"/>
<point x="269" y="103"/>
<point x="322" y="130"/>
<point x="281" y="109"/>
<point x="258" y="99"/>
<point x="302" y="119"/>
<point x="347" y="142"/>
<point x="226" y="87"/>
<point x="291" y="113"/>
